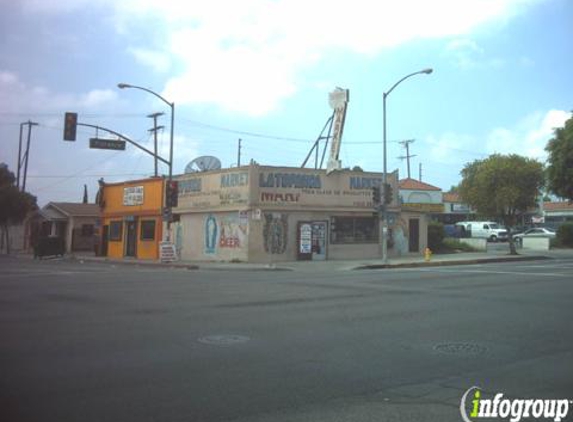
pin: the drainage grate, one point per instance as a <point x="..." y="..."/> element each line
<point x="223" y="339"/>
<point x="460" y="348"/>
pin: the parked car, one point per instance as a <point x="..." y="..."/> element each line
<point x="49" y="246"/>
<point x="490" y="230"/>
<point x="534" y="232"/>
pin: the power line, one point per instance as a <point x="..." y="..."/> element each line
<point x="62" y="176"/>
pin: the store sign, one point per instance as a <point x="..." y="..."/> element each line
<point x="460" y="208"/>
<point x="338" y="100"/>
<point x="167" y="252"/>
<point x="421" y="207"/>
<point x="133" y="195"/>
<point x="289" y="180"/>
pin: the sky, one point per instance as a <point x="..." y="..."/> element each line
<point x="261" y="71"/>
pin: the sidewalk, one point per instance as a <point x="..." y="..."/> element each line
<point x="344" y="265"/>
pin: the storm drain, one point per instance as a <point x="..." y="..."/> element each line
<point x="460" y="348"/>
<point x="223" y="339"/>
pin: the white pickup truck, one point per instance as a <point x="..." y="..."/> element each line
<point x="488" y="229"/>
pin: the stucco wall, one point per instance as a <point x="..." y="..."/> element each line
<point x="216" y="236"/>
<point x="252" y="213"/>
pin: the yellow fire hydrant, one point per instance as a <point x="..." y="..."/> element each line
<point x="427" y="254"/>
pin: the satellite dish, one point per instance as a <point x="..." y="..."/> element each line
<point x="204" y="163"/>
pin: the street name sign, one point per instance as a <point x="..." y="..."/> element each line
<point x="98" y="143"/>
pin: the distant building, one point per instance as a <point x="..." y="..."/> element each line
<point x="420" y="196"/>
<point x="455" y="210"/>
<point x="74" y="222"/>
<point x="557" y="212"/>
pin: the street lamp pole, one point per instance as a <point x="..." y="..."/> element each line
<point x="384" y="237"/>
<point x="172" y="106"/>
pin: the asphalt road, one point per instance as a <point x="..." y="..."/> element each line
<point x="96" y="342"/>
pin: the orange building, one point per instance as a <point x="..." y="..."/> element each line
<point x="131" y="217"/>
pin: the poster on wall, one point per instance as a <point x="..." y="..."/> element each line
<point x="211" y="231"/>
<point x="305" y="238"/>
<point x="167" y="252"/>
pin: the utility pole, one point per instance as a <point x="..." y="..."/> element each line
<point x="239" y="154"/>
<point x="420" y="172"/>
<point x="19" y="155"/>
<point x="154" y="130"/>
<point x="406" y="144"/>
<point x="27" y="155"/>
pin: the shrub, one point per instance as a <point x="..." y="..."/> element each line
<point x="458" y="245"/>
<point x="565" y="235"/>
<point x="436" y="236"/>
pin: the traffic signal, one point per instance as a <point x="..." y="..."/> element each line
<point x="70" y="126"/>
<point x="376" y="195"/>
<point x="172" y="194"/>
<point x="388" y="193"/>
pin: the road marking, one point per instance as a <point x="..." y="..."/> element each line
<point x="565" y="265"/>
<point x="493" y="272"/>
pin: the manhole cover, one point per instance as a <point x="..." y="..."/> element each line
<point x="224" y="339"/>
<point x="460" y="348"/>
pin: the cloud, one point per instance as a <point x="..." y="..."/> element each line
<point x="16" y="96"/>
<point x="467" y="54"/>
<point x="96" y="98"/>
<point x="248" y="56"/>
<point x="159" y="61"/>
<point x="529" y="136"/>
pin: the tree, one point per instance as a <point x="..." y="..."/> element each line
<point x="560" y="161"/>
<point x="502" y="187"/>
<point x="14" y="205"/>
<point x="454" y="189"/>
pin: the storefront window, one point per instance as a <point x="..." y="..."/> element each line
<point x="115" y="230"/>
<point x="354" y="230"/>
<point x="148" y="230"/>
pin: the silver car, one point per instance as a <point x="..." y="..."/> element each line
<point x="534" y="232"/>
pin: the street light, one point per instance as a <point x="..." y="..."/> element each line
<point x="384" y="236"/>
<point x="172" y="105"/>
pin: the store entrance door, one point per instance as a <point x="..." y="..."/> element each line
<point x="131" y="239"/>
<point x="312" y="240"/>
<point x="104" y="240"/>
<point x="414" y="238"/>
<point x="319" y="240"/>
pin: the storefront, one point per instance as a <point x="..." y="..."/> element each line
<point x="131" y="223"/>
<point x="268" y="214"/>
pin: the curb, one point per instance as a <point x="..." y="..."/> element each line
<point x="155" y="264"/>
<point x="452" y="263"/>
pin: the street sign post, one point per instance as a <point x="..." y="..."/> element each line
<point x="98" y="143"/>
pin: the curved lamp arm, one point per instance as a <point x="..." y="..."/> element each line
<point x="426" y="71"/>
<point x="123" y="86"/>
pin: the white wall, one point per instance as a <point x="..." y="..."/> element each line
<point x="536" y="243"/>
<point x="420" y="197"/>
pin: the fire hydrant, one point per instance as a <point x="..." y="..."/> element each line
<point x="427" y="254"/>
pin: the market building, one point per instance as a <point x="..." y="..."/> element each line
<point x="265" y="214"/>
<point x="131" y="218"/>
